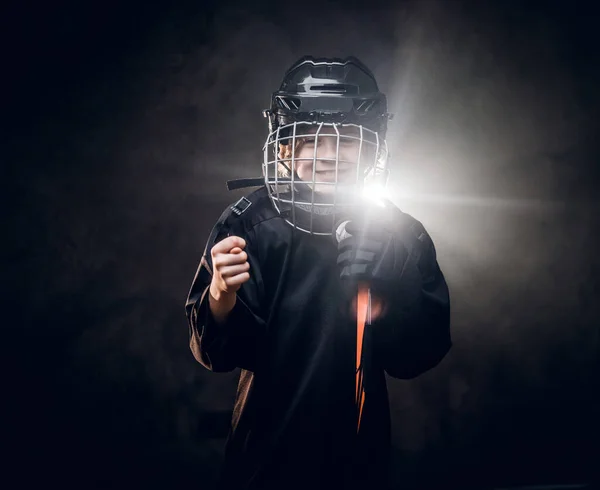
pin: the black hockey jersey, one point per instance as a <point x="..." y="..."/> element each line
<point x="293" y="335"/>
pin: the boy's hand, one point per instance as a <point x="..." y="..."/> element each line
<point x="230" y="271"/>
<point x="230" y="267"/>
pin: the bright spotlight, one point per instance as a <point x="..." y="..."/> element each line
<point x="375" y="193"/>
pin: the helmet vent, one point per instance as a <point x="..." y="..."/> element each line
<point x="335" y="88"/>
<point x="289" y="103"/>
<point x="364" y="106"/>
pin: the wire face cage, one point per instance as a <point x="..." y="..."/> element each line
<point x="315" y="172"/>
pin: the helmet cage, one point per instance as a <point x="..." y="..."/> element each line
<point x="301" y="202"/>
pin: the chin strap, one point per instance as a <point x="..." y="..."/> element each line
<point x="235" y="184"/>
<point x="243" y="183"/>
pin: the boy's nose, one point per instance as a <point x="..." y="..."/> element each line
<point x="327" y="147"/>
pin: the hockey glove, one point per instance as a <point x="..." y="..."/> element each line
<point x="370" y="253"/>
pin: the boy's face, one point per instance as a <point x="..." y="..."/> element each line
<point x="323" y="162"/>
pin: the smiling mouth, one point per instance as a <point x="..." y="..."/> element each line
<point x="341" y="170"/>
<point x="330" y="174"/>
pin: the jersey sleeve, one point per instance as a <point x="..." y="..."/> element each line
<point x="414" y="335"/>
<point x="222" y="347"/>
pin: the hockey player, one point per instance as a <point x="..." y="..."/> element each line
<point x="282" y="283"/>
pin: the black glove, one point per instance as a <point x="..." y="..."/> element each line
<point x="371" y="254"/>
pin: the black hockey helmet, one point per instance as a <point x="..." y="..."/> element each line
<point x="329" y="90"/>
<point x="324" y="98"/>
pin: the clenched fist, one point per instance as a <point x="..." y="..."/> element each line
<point x="230" y="271"/>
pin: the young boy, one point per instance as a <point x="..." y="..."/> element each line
<point x="285" y="279"/>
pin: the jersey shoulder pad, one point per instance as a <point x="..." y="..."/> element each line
<point x="254" y="207"/>
<point x="245" y="213"/>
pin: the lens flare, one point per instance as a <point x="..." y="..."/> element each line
<point x="375" y="194"/>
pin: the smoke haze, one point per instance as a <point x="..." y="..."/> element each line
<point x="125" y="123"/>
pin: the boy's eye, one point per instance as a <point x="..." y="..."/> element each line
<point x="343" y="141"/>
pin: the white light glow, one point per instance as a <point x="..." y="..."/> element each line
<point x="375" y="193"/>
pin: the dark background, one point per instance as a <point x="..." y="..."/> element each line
<point x="121" y="124"/>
